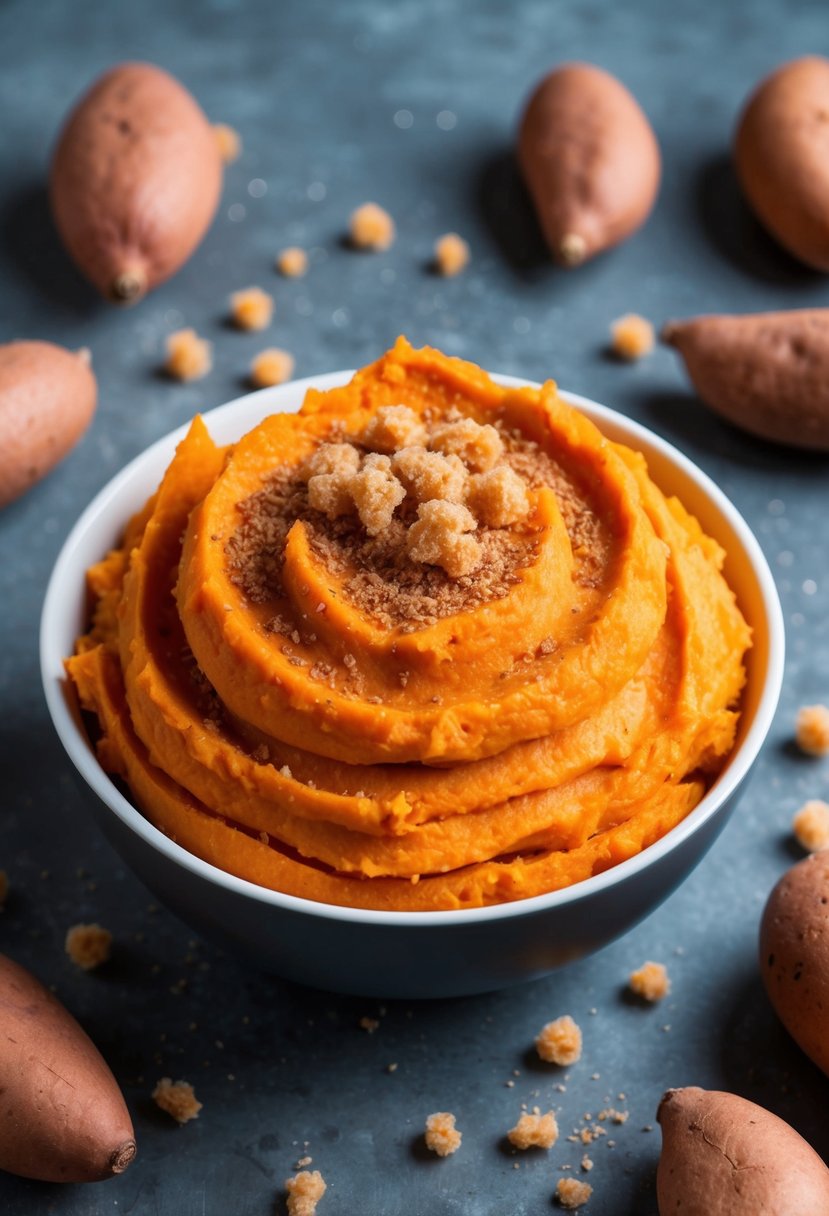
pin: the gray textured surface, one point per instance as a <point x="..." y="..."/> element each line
<point x="337" y="104"/>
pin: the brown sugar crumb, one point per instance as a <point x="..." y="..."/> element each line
<point x="393" y="427"/>
<point x="534" y="1131"/>
<point x="88" y="945"/>
<point x="451" y="254"/>
<point x="632" y="337"/>
<point x="270" y="367"/>
<point x="812" y="730"/>
<point x="586" y="1163"/>
<point x="559" y="1042"/>
<point x="498" y="497"/>
<point x="615" y="1116"/>
<point x="305" y="1190"/>
<point x="340" y="458"/>
<point x="479" y="447"/>
<point x="440" y="537"/>
<point x="177" y="1098"/>
<point x="369" y="1024"/>
<point x="229" y="143"/>
<point x="292" y="262"/>
<point x="441" y="1135"/>
<point x="251" y="308"/>
<point x="571" y="1193"/>
<point x="331" y="470"/>
<point x="810" y="825"/>
<point x="428" y="475"/>
<point x="188" y="356"/>
<point x="4" y="888"/>
<point x="370" y="227"/>
<point x="376" y="493"/>
<point x="650" y="982"/>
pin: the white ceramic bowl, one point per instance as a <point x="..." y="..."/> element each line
<point x="408" y="954"/>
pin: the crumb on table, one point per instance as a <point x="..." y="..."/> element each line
<point x="251" y="308"/>
<point x="650" y="982"/>
<point x="88" y="945"/>
<point x="305" y="1190"/>
<point x="559" y="1042"/>
<point x="177" y="1098"/>
<point x="230" y="145"/>
<point x="478" y="446"/>
<point x="534" y="1131"/>
<point x="441" y="536"/>
<point x="499" y="497"/>
<point x="370" y="227"/>
<point x="441" y="1135"/>
<point x="451" y="254"/>
<point x="271" y="366"/>
<point x="393" y="427"/>
<point x="292" y="262"/>
<point x="369" y="1024"/>
<point x="188" y="356"/>
<point x="571" y="1193"/>
<point x="812" y="730"/>
<point x="632" y="337"/>
<point x="811" y="825"/>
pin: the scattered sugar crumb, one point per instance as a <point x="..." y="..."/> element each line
<point x="177" y="1098"/>
<point x="251" y="308"/>
<point x="189" y="357"/>
<point x="393" y="427"/>
<point x="369" y="1024"/>
<point x="303" y="1162"/>
<point x="559" y="1042"/>
<point x="632" y="337"/>
<point x="571" y="1193"/>
<point x="292" y="262"/>
<point x="391" y="1067"/>
<point x="812" y="730"/>
<point x="586" y="1163"/>
<point x="305" y="1190"/>
<point x="88" y="945"/>
<point x="229" y="143"/>
<point x="370" y="227"/>
<point x="650" y="982"/>
<point x="534" y="1131"/>
<point x="479" y="447"/>
<point x="441" y="1135"/>
<point x="440" y="537"/>
<point x="810" y="825"/>
<point x="615" y="1116"/>
<point x="498" y="497"/>
<point x="451" y="254"/>
<point x="271" y="366"/>
<point x="428" y="475"/>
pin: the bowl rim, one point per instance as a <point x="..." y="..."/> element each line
<point x="77" y="746"/>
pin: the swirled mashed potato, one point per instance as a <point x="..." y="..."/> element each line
<point x="429" y="643"/>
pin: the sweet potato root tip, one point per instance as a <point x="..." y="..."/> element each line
<point x="123" y="1156"/>
<point x="572" y="249"/>
<point x="128" y="287"/>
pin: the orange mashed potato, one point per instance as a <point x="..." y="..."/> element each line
<point x="430" y="643"/>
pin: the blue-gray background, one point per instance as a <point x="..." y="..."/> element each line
<point x="412" y="103"/>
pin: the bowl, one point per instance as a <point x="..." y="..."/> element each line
<point x="408" y="954"/>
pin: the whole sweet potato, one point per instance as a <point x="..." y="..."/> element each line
<point x="725" y="1156"/>
<point x="135" y="180"/>
<point x="781" y="152"/>
<point x="765" y="372"/>
<point x="47" y="399"/>
<point x="62" y="1115"/>
<point x="590" y="159"/>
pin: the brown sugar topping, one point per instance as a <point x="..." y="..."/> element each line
<point x="441" y="1135"/>
<point x="305" y="1190"/>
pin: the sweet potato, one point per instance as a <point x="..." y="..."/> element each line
<point x="590" y="159"/>
<point x="47" y="399"/>
<point x="765" y="372"/>
<point x="135" y="180"/>
<point x="780" y="152"/>
<point x="62" y="1115"/>
<point x="725" y="1156"/>
<point x="794" y="954"/>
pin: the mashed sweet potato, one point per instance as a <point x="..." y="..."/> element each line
<point x="429" y="643"/>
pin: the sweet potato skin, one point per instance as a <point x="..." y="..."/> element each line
<point x="781" y="153"/>
<point x="725" y="1156"/>
<point x="47" y="399"/>
<point x="62" y="1115"/>
<point x="135" y="180"/>
<point x="794" y="954"/>
<point x="590" y="159"/>
<point x="765" y="372"/>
